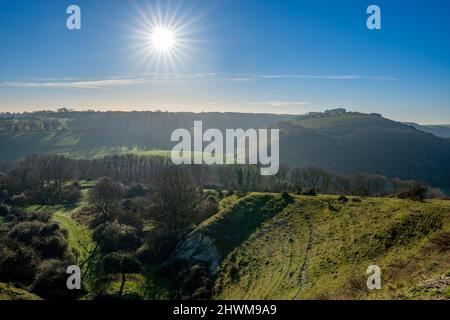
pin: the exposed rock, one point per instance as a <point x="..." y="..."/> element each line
<point x="199" y="248"/>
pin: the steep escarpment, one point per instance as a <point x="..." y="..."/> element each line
<point x="263" y="247"/>
<point x="235" y="223"/>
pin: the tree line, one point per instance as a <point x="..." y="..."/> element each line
<point x="44" y="176"/>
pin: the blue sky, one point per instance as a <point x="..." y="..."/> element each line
<point x="278" y="56"/>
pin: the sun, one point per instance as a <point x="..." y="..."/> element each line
<point x="163" y="39"/>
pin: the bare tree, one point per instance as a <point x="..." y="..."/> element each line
<point x="175" y="199"/>
<point x="105" y="197"/>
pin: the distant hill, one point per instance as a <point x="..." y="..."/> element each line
<point x="442" y="131"/>
<point x="319" y="248"/>
<point x="354" y="142"/>
<point x="89" y="134"/>
<point x="344" y="142"/>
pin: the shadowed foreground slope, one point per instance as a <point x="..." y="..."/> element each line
<point x="319" y="247"/>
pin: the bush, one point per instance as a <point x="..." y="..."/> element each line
<point x="417" y="192"/>
<point x="51" y="246"/>
<point x="197" y="284"/>
<point x="24" y="232"/>
<point x="287" y="197"/>
<point x="18" y="263"/>
<point x="121" y="263"/>
<point x="240" y="194"/>
<point x="157" y="248"/>
<point x="116" y="237"/>
<point x="136" y="190"/>
<point x="192" y="282"/>
<point x="131" y="218"/>
<point x="21" y="216"/>
<point x="46" y="238"/>
<point x="4" y="210"/>
<point x="19" y="200"/>
<point x="207" y="208"/>
<point x="50" y="281"/>
<point x="310" y="192"/>
<point x="72" y="193"/>
<point x="4" y="195"/>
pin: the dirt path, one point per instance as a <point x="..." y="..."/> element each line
<point x="304" y="267"/>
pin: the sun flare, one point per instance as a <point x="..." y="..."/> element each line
<point x="163" y="39"/>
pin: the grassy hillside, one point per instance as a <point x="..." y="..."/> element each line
<point x="345" y="143"/>
<point x="354" y="143"/>
<point x="319" y="247"/>
<point x="8" y="292"/>
<point x="94" y="134"/>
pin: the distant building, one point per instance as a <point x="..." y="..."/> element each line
<point x="335" y="112"/>
<point x="314" y="114"/>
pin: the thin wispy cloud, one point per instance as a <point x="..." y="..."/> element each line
<point x="276" y="103"/>
<point x="144" y="78"/>
<point x="90" y="84"/>
<point x="328" y="77"/>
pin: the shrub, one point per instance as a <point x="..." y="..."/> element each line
<point x="207" y="208"/>
<point x="4" y="210"/>
<point x="50" y="281"/>
<point x="287" y="197"/>
<point x="310" y="192"/>
<point x="72" y="193"/>
<point x="240" y="194"/>
<point x="417" y="192"/>
<point x="116" y="237"/>
<point x="197" y="283"/>
<point x="4" y="195"/>
<point x="18" y="263"/>
<point x="131" y="218"/>
<point x="19" y="200"/>
<point x="158" y="247"/>
<point x="51" y="246"/>
<point x="21" y="216"/>
<point x="46" y="238"/>
<point x="136" y="190"/>
<point x="24" y="232"/>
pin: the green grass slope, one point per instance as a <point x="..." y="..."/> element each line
<point x="319" y="247"/>
<point x="8" y="292"/>
<point x="239" y="218"/>
<point x="79" y="234"/>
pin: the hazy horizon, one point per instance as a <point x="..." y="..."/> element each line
<point x="120" y="109"/>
